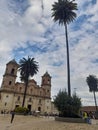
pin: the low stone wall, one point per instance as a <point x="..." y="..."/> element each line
<point x="94" y="122"/>
<point x="72" y="120"/>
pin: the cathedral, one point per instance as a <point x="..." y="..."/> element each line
<point x="38" y="97"/>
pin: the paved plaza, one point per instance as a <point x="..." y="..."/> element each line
<point x="40" y="123"/>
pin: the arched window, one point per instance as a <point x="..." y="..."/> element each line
<point x="39" y="108"/>
<point x="48" y="81"/>
<point x="48" y="91"/>
<point x="10" y="82"/>
<point x="12" y="71"/>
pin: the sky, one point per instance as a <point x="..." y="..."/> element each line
<point x="27" y="29"/>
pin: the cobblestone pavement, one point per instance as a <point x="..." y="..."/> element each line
<point x="39" y="123"/>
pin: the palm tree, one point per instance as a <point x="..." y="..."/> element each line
<point x="63" y="12"/>
<point x="92" y="82"/>
<point x="27" y="67"/>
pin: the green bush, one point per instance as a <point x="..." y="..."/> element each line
<point x="67" y="106"/>
<point x="21" y="110"/>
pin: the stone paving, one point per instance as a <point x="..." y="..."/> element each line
<point x="40" y="123"/>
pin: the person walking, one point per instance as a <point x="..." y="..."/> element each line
<point x="85" y="116"/>
<point x="12" y="115"/>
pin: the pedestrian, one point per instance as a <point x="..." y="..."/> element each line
<point x="12" y="115"/>
<point x="85" y="116"/>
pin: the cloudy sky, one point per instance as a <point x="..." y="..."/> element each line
<point x="27" y="29"/>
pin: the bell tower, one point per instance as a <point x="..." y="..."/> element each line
<point x="46" y="84"/>
<point x="10" y="75"/>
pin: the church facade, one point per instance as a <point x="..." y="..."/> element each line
<point x="38" y="98"/>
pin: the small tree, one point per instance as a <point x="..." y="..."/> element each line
<point x="92" y="82"/>
<point x="21" y="110"/>
<point x="67" y="106"/>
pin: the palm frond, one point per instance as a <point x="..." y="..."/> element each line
<point x="28" y="67"/>
<point x="63" y="11"/>
<point x="92" y="82"/>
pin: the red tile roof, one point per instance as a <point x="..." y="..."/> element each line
<point x="89" y="108"/>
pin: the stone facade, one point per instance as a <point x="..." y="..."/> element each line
<point x="38" y="98"/>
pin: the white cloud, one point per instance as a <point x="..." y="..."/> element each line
<point x="36" y="26"/>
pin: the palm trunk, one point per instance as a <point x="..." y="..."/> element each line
<point x="95" y="100"/>
<point x="24" y="96"/>
<point x="68" y="63"/>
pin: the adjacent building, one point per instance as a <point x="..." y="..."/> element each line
<point x="38" y="97"/>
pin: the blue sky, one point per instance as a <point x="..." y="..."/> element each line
<point x="27" y="29"/>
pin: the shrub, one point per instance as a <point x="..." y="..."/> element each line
<point x="67" y="106"/>
<point x="21" y="110"/>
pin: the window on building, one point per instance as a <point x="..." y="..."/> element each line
<point x="30" y="99"/>
<point x="39" y="108"/>
<point x="18" y="98"/>
<point x="12" y="71"/>
<point x="5" y="103"/>
<point x="39" y="100"/>
<point x="16" y="106"/>
<point x="48" y="91"/>
<point x="10" y="82"/>
<point x="48" y="81"/>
